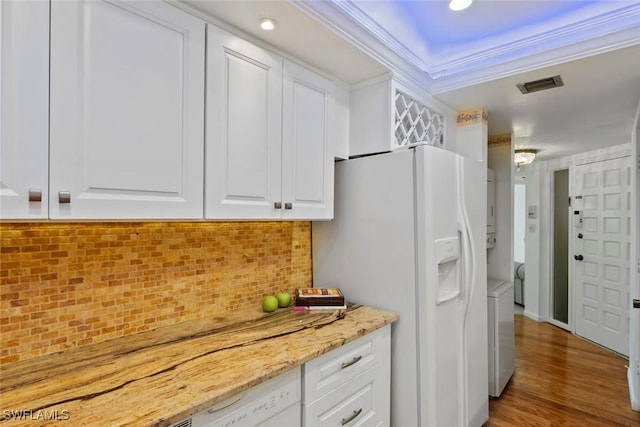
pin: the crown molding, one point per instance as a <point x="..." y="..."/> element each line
<point x="347" y="21"/>
<point x="622" y="22"/>
<point x="363" y="20"/>
<point x="607" y="31"/>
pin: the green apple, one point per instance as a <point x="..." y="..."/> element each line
<point x="269" y="303"/>
<point x="284" y="299"/>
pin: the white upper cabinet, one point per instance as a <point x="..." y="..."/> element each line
<point x="267" y="142"/>
<point x="24" y="109"/>
<point x="244" y="129"/>
<point x="385" y="116"/>
<point x="127" y="111"/>
<point x="307" y="157"/>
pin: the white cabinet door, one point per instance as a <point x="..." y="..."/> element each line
<point x="244" y="129"/>
<point x="127" y="111"/>
<point x="307" y="158"/>
<point x="24" y="109"/>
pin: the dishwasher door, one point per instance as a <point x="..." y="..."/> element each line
<point x="275" y="402"/>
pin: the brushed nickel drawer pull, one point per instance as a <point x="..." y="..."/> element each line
<point x="352" y="417"/>
<point x="64" y="197"/>
<point x="351" y="362"/>
<point x="213" y="411"/>
<point x="277" y="205"/>
<point x="288" y="205"/>
<point x="35" y="195"/>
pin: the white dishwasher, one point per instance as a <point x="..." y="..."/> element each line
<point x="273" y="403"/>
<point x="501" y="334"/>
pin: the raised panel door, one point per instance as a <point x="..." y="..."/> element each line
<point x="601" y="258"/>
<point x="307" y="158"/>
<point x="24" y="109"/>
<point x="244" y="129"/>
<point x="127" y="111"/>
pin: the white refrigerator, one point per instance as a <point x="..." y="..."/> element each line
<point x="409" y="236"/>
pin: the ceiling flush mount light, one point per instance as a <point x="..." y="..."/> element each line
<point x="524" y="157"/>
<point x="267" y="24"/>
<point x="459" y="4"/>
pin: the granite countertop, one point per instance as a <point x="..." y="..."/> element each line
<point x="158" y="377"/>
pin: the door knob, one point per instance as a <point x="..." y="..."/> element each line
<point x="578" y="257"/>
<point x="579" y="235"/>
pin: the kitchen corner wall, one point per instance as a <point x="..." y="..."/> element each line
<point x="72" y="284"/>
<point x="500" y="257"/>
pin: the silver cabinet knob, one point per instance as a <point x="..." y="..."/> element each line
<point x="288" y="205"/>
<point x="277" y="205"/>
<point x="64" y="197"/>
<point x="35" y="195"/>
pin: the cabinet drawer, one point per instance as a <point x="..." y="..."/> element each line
<point x="327" y="372"/>
<point x="361" y="401"/>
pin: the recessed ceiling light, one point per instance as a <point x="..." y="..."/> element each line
<point x="267" y="24"/>
<point x="459" y="4"/>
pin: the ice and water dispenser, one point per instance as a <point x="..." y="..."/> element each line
<point x="447" y="256"/>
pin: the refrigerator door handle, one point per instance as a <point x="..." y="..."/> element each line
<point x="464" y="271"/>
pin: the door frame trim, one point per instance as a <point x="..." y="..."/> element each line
<point x="569" y="326"/>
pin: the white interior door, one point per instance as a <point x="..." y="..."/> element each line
<point x="601" y="256"/>
<point x="634" y="329"/>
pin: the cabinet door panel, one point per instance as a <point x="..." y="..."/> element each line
<point x="127" y="110"/>
<point x="357" y="403"/>
<point x="307" y="165"/>
<point x="24" y="108"/>
<point x="247" y="148"/>
<point x="244" y="115"/>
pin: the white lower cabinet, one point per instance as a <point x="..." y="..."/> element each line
<point x="350" y="386"/>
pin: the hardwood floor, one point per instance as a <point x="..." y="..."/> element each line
<point x="562" y="380"/>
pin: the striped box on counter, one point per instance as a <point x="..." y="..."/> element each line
<point x="320" y="298"/>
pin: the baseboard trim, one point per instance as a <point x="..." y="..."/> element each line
<point x="533" y="316"/>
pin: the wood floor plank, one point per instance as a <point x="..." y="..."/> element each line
<point x="562" y="380"/>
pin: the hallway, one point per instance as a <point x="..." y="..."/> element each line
<point x="562" y="380"/>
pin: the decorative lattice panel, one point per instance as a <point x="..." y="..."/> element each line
<point x="416" y="123"/>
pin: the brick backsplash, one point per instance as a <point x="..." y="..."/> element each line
<point x="71" y="284"/>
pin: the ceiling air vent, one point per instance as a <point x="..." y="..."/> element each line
<point x="542" y="84"/>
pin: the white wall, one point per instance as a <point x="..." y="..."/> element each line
<point x="532" y="286"/>
<point x="519" y="221"/>
<point x="539" y="178"/>
<point x="500" y="257"/>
